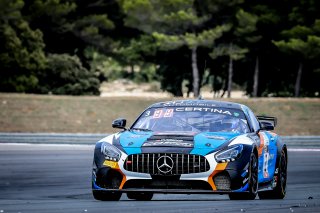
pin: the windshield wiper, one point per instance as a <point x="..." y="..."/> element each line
<point x="141" y="129"/>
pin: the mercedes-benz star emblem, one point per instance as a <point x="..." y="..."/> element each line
<point x="165" y="164"/>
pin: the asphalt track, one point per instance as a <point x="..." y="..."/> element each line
<point x="56" y="178"/>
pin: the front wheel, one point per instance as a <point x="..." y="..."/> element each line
<point x="253" y="182"/>
<point x="279" y="191"/>
<point x="140" y="196"/>
<point x="106" y="196"/>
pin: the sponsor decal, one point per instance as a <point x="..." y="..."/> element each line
<point x="189" y="103"/>
<point x="169" y="112"/>
<point x="215" y="137"/>
<point x="168" y="142"/>
<point x="136" y="136"/>
<point x="202" y="109"/>
<point x="245" y="180"/>
<point x="176" y="133"/>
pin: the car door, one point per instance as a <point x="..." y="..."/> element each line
<point x="267" y="160"/>
<point x="266" y="149"/>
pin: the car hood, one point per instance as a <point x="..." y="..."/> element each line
<point x="135" y="142"/>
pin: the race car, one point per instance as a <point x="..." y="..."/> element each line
<point x="192" y="147"/>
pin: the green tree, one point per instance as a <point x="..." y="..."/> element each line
<point x="21" y="49"/>
<point x="134" y="53"/>
<point x="193" y="41"/>
<point x="174" y="24"/>
<point x="302" y="43"/>
<point x="66" y="75"/>
<point x="274" y="17"/>
<point x="247" y="31"/>
<point x="234" y="53"/>
<point x="73" y="24"/>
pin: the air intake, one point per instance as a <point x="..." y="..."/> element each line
<point x="222" y="181"/>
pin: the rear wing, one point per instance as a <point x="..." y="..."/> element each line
<point x="269" y="119"/>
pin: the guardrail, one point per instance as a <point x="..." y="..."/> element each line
<point x="51" y="138"/>
<point x="90" y="139"/>
<point x="302" y="141"/>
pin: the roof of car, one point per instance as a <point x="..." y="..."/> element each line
<point x="197" y="103"/>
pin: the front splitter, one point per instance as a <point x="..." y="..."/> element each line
<point x="166" y="191"/>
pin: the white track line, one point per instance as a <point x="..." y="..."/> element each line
<point x="303" y="150"/>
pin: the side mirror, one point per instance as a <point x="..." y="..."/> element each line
<point x="119" y="123"/>
<point x="266" y="126"/>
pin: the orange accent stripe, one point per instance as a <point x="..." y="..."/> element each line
<point x="261" y="145"/>
<point x="124" y="179"/>
<point x="219" y="168"/>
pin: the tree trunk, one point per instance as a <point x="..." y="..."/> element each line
<point x="230" y="74"/>
<point x="224" y="88"/>
<point x="195" y="72"/>
<point x="131" y="74"/>
<point x="214" y="89"/>
<point x="256" y="78"/>
<point x="298" y="80"/>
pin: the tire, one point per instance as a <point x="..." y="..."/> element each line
<point x="253" y="182"/>
<point x="107" y="179"/>
<point x="106" y="196"/>
<point x="140" y="196"/>
<point x="278" y="192"/>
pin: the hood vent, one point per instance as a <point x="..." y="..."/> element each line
<point x="170" y="141"/>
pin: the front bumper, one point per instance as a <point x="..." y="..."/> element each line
<point x="221" y="178"/>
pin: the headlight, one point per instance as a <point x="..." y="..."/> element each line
<point x="230" y="154"/>
<point x="110" y="152"/>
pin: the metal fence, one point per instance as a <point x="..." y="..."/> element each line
<point x="90" y="139"/>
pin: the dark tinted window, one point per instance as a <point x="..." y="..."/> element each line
<point x="254" y="121"/>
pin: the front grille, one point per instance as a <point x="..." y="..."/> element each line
<point x="174" y="164"/>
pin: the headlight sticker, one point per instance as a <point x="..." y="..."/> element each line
<point x="230" y="154"/>
<point x="112" y="164"/>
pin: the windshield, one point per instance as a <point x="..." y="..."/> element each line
<point x="192" y="119"/>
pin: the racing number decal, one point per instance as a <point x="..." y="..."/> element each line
<point x="169" y="113"/>
<point x="266" y="155"/>
<point x="159" y="113"/>
<point x="147" y="113"/>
